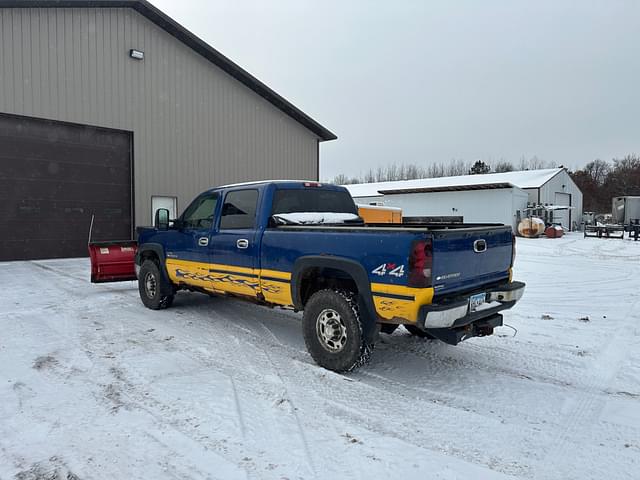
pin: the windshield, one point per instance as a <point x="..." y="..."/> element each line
<point x="312" y="200"/>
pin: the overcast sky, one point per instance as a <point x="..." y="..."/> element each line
<point x="429" y="81"/>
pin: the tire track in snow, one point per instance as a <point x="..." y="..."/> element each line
<point x="303" y="436"/>
<point x="590" y="404"/>
<point x="328" y="399"/>
<point x="210" y="356"/>
<point x="236" y="400"/>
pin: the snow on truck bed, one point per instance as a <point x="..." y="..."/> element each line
<point x="310" y="218"/>
<point x="93" y="385"/>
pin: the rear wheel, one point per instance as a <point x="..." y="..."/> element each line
<point x="413" y="330"/>
<point x="333" y="331"/>
<point x="150" y="285"/>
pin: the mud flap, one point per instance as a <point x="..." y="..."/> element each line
<point x="368" y="319"/>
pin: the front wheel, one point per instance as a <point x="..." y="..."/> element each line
<point x="151" y="284"/>
<point x="333" y="331"/>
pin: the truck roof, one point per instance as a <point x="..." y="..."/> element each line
<point x="277" y="182"/>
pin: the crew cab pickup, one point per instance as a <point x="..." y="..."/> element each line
<point x="302" y="245"/>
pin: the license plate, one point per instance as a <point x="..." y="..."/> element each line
<point x="476" y="300"/>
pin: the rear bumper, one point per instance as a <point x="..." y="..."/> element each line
<point x="455" y="312"/>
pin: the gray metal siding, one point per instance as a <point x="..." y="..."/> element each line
<point x="562" y="183"/>
<point x="194" y="126"/>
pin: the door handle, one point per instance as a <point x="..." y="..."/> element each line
<point x="203" y="241"/>
<point x="242" y="243"/>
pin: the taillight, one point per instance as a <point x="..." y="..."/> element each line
<point x="513" y="249"/>
<point x="420" y="263"/>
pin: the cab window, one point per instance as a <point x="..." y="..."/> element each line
<point x="199" y="215"/>
<point x="239" y="210"/>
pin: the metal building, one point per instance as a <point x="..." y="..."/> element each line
<point x="493" y="197"/>
<point x="109" y="107"/>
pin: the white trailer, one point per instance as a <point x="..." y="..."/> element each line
<point x="626" y="209"/>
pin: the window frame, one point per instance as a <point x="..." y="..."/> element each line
<point x="255" y="215"/>
<point x="216" y="195"/>
<point x="281" y="190"/>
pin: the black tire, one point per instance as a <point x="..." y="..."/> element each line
<point x="150" y="284"/>
<point x="333" y="331"/>
<point x="413" y="330"/>
<point x="388" y="328"/>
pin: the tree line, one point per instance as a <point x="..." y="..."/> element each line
<point x="454" y="168"/>
<point x="600" y="181"/>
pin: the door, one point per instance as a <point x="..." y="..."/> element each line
<point x="562" y="216"/>
<point x="188" y="247"/>
<point x="53" y="177"/>
<point x="159" y="201"/>
<point x="234" y="249"/>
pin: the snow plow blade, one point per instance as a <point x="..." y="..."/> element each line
<point x="113" y="261"/>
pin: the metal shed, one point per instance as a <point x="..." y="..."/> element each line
<point x="105" y="104"/>
<point x="493" y="197"/>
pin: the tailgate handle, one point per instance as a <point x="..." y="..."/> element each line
<point x="480" y="246"/>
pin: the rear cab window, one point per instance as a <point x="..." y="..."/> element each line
<point x="312" y="200"/>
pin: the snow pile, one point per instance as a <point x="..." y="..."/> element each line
<point x="310" y="218"/>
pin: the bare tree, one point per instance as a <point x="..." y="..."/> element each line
<point x="503" y="166"/>
<point x="597" y="170"/>
<point x="535" y="163"/>
<point x="412" y="172"/>
<point x="340" y="179"/>
<point x="369" y="177"/>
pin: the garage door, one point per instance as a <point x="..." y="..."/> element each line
<point x="562" y="216"/>
<point x="53" y="177"/>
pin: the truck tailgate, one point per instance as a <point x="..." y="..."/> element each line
<point x="467" y="258"/>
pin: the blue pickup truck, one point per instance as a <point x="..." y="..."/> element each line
<point x="301" y="245"/>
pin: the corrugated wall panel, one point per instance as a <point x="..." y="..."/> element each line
<point x="562" y="183"/>
<point x="194" y="126"/>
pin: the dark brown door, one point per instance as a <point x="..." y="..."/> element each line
<point x="53" y="177"/>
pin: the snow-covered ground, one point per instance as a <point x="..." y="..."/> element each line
<point x="93" y="385"/>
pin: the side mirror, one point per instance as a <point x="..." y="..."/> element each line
<point x="161" y="222"/>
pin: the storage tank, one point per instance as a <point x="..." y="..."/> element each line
<point x="554" y="231"/>
<point x="625" y="209"/>
<point x="531" y="227"/>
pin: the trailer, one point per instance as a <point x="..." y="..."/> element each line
<point x="625" y="210"/>
<point x="604" y="231"/>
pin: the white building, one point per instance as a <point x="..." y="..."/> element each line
<point x="494" y="197"/>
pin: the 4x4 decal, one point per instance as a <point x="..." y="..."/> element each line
<point x="389" y="269"/>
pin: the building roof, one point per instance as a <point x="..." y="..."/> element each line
<point x="185" y="36"/>
<point x="523" y="179"/>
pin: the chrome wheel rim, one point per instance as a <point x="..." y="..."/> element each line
<point x="150" y="285"/>
<point x="331" y="330"/>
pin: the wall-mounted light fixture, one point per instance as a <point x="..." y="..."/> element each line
<point x="137" y="54"/>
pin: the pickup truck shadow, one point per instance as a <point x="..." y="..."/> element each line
<point x="400" y="357"/>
